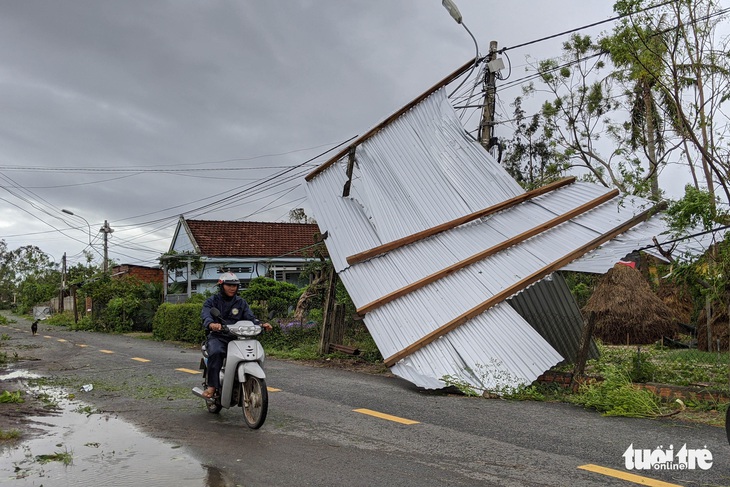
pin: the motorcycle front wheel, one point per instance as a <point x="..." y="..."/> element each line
<point x="254" y="401"/>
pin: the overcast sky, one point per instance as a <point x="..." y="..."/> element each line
<point x="137" y="111"/>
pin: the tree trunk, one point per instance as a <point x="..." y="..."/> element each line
<point x="651" y="140"/>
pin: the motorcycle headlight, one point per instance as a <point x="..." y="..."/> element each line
<point x="247" y="330"/>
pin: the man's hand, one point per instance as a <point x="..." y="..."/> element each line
<point x="267" y="326"/>
<point x="215" y="327"/>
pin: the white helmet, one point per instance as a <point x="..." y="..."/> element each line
<point x="229" y="278"/>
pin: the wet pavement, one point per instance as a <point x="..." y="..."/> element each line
<point x="81" y="448"/>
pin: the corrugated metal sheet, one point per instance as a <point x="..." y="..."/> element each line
<point x="551" y="309"/>
<point x="419" y="172"/>
<point x="602" y="259"/>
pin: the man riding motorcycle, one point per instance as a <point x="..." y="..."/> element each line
<point x="232" y="308"/>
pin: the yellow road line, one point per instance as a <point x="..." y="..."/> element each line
<point x="106" y="351"/>
<point x="46" y="336"/>
<point x="62" y="340"/>
<point x="82" y="345"/>
<point x="370" y="412"/>
<point x="273" y="389"/>
<point x="189" y="371"/>
<point x="637" y="479"/>
<point x="140" y="359"/>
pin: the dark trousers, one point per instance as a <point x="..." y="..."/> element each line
<point x="217" y="349"/>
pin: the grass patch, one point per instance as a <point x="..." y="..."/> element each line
<point x="64" y="457"/>
<point x="10" y="435"/>
<point x="616" y="395"/>
<point x="667" y="366"/>
<point x="140" y="335"/>
<point x="87" y="410"/>
<point x="11" y="397"/>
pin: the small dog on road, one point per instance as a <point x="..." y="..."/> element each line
<point x="34" y="327"/>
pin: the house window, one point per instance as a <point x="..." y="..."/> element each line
<point x="288" y="274"/>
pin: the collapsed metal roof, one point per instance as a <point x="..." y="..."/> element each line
<point x="430" y="236"/>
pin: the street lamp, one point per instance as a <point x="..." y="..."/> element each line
<point x="69" y="212"/>
<point x="453" y="10"/>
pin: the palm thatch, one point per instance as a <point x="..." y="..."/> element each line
<point x="627" y="311"/>
<point x="677" y="299"/>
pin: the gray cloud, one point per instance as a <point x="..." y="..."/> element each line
<point x="182" y="84"/>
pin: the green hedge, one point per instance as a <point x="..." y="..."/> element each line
<point x="178" y="322"/>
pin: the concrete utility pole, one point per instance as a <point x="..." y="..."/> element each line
<point x="486" y="128"/>
<point x="63" y="283"/>
<point x="107" y="230"/>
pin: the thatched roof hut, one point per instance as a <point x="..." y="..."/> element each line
<point x="627" y="311"/>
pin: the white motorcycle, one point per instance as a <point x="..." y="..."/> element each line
<point x="243" y="381"/>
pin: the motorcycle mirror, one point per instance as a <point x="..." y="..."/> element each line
<point x="215" y="313"/>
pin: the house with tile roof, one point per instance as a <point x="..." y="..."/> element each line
<point x="203" y="249"/>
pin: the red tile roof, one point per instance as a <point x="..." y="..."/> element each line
<point x="253" y="239"/>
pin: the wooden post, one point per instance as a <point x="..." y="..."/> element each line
<point x="73" y="303"/>
<point x="328" y="312"/>
<point x="165" y="277"/>
<point x="585" y="345"/>
<point x="337" y="331"/>
<point x="708" y="316"/>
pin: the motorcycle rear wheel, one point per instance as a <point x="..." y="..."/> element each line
<point x="254" y="401"/>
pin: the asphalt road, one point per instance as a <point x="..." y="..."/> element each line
<point x="317" y="433"/>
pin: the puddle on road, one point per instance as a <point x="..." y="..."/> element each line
<point x="103" y="451"/>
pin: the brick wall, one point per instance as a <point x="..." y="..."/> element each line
<point x="145" y="274"/>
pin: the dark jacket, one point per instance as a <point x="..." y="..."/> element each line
<point x="232" y="310"/>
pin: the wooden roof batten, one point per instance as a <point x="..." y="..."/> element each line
<point x="543" y="227"/>
<point x="409" y="239"/>
<point x="519" y="286"/>
<point x="448" y="79"/>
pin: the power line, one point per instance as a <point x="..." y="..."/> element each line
<point x="528" y="43"/>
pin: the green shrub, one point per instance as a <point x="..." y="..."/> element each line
<point x="642" y="368"/>
<point x="290" y="336"/>
<point x="178" y="322"/>
<point x="144" y="314"/>
<point x="198" y="298"/>
<point x="84" y="323"/>
<point x="60" y="319"/>
<point x="3" y="320"/>
<point x="280" y="297"/>
<point x="117" y="316"/>
<point x="315" y="315"/>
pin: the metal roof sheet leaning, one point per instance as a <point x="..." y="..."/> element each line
<point x="419" y="172"/>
